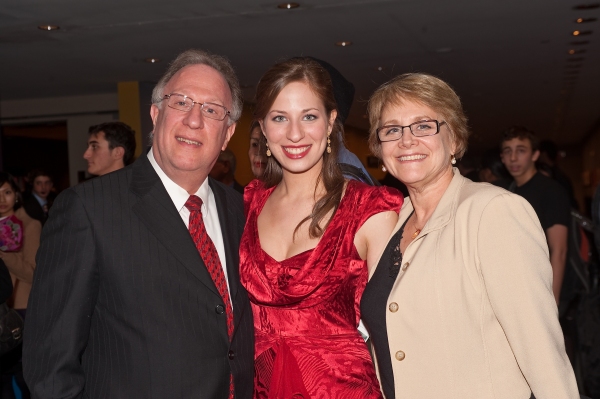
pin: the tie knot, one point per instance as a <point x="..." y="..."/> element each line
<point x="194" y="203"/>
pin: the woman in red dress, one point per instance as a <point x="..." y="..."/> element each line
<point x="310" y="237"/>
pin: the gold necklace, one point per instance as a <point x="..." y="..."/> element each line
<point x="417" y="230"/>
<point x="415" y="234"/>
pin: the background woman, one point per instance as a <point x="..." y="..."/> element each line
<point x="308" y="239"/>
<point x="258" y="158"/>
<point x="21" y="265"/>
<point x="461" y="303"/>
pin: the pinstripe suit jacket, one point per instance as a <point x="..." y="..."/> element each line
<point x="122" y="305"/>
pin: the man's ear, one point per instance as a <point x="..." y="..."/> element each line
<point x="535" y="155"/>
<point x="228" y="135"/>
<point x="118" y="153"/>
<point x="154" y="111"/>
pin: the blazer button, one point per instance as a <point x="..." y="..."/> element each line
<point x="405" y="266"/>
<point x="400" y="355"/>
<point x="230" y="355"/>
<point x="220" y="309"/>
<point x="393" y="307"/>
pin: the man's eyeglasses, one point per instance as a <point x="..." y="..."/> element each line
<point x="418" y="129"/>
<point x="185" y="104"/>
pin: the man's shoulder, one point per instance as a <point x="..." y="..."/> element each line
<point x="549" y="189"/>
<point x="110" y="179"/>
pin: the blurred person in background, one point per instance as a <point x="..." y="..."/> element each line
<point x="550" y="156"/>
<point x="519" y="153"/>
<point x="224" y="170"/>
<point x="38" y="202"/>
<point x="20" y="264"/>
<point x="493" y="170"/>
<point x="258" y="159"/>
<point x="111" y="146"/>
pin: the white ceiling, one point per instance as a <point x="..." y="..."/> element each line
<point x="508" y="59"/>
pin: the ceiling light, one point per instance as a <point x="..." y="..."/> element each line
<point x="288" y="6"/>
<point x="585" y="20"/>
<point x="582" y="32"/>
<point x="152" y="60"/>
<point x="379" y="68"/>
<point x="49" y="27"/>
<point x="587" y="6"/>
<point x="580" y="42"/>
<point x="573" y="51"/>
<point x="343" y="43"/>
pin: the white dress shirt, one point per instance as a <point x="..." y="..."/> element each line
<point x="179" y="196"/>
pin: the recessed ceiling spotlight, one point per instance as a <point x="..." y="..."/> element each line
<point x="49" y="27"/>
<point x="585" y="20"/>
<point x="379" y="68"/>
<point x="152" y="60"/>
<point x="587" y="6"/>
<point x="288" y="6"/>
<point x="343" y="43"/>
<point x="582" y="32"/>
<point x="573" y="51"/>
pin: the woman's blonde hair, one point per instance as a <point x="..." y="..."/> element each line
<point x="424" y="89"/>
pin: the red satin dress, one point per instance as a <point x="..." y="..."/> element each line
<point x="306" y="308"/>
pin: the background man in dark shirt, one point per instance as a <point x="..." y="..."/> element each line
<point x="519" y="152"/>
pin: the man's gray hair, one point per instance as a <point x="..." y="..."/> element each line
<point x="200" y="57"/>
<point x="228" y="156"/>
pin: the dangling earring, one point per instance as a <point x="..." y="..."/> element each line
<point x="453" y="160"/>
<point x="268" y="150"/>
<point x="328" y="143"/>
<point x="383" y="169"/>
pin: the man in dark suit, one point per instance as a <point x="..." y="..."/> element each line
<point x="38" y="201"/>
<point x="123" y="304"/>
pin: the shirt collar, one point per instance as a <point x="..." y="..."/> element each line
<point x="39" y="199"/>
<point x="178" y="195"/>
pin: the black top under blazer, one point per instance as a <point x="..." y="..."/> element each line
<point x="122" y="305"/>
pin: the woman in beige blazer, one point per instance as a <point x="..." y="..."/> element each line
<point x="460" y="305"/>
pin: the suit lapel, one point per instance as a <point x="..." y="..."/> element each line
<point x="230" y="238"/>
<point x="157" y="211"/>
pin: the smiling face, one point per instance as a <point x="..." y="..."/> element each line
<point x="8" y="197"/>
<point x="296" y="128"/>
<point x="258" y="159"/>
<point x="417" y="161"/>
<point x="187" y="144"/>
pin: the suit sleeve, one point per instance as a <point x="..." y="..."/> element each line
<point x="61" y="303"/>
<point x="517" y="274"/>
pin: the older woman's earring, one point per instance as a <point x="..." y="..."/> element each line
<point x="453" y="160"/>
<point x="268" y="150"/>
<point x="329" y="143"/>
<point x="383" y="169"/>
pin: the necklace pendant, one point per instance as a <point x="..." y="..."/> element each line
<point x="415" y="234"/>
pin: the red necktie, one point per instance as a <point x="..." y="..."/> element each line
<point x="209" y="255"/>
